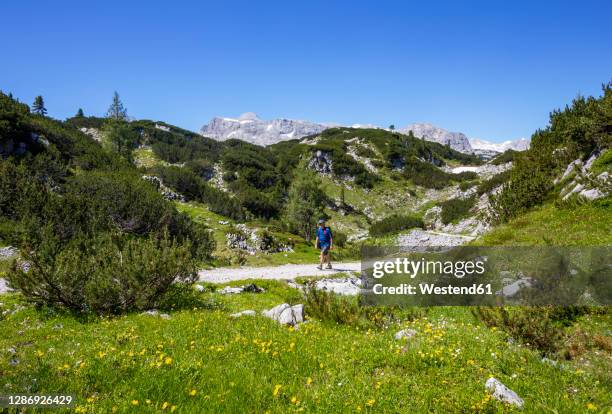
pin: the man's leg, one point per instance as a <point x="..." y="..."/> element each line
<point x="321" y="260"/>
<point x="328" y="259"/>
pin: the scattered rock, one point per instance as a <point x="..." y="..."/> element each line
<point x="286" y="314"/>
<point x="166" y="192"/>
<point x="592" y="194"/>
<point x="254" y="240"/>
<point x="93" y="133"/>
<point x="8" y="252"/>
<point x="502" y="393"/>
<point x="155" y="312"/>
<point x="420" y="238"/>
<point x="514" y="287"/>
<point x="406" y="334"/>
<point x="294" y="285"/>
<point x="253" y="288"/>
<point x="151" y="312"/>
<point x="321" y="162"/>
<point x="229" y="290"/>
<point x="200" y="288"/>
<point x="349" y="286"/>
<point x="243" y="313"/>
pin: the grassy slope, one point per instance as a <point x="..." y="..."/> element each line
<point x="235" y="365"/>
<point x="586" y="225"/>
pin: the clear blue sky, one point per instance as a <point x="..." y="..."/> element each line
<point x="490" y="69"/>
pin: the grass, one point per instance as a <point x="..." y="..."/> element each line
<point x="146" y="158"/>
<point x="204" y="361"/>
<point x="583" y="225"/>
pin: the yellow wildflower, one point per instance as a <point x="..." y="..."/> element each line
<point x="134" y="402"/>
<point x="168" y="361"/>
<point x="277" y="388"/>
<point x="193" y="393"/>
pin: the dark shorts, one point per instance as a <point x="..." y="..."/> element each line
<point x="324" y="248"/>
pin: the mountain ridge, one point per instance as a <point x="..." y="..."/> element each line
<point x="251" y="128"/>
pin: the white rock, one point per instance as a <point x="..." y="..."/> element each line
<point x="229" y="290"/>
<point x="285" y="314"/>
<point x="243" y="313"/>
<point x="502" y="393"/>
<point x="592" y="194"/>
<point x="349" y="286"/>
<point x="200" y="288"/>
<point x="589" y="163"/>
<point x="405" y="334"/>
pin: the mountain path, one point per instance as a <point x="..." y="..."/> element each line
<point x="282" y="272"/>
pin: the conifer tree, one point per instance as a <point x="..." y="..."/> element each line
<point x="38" y="106"/>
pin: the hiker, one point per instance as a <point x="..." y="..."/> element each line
<point x="324" y="243"/>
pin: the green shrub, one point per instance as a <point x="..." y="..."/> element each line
<point x="466" y="185"/>
<point x="504" y="157"/>
<point x="532" y="326"/>
<point x="202" y="168"/>
<point x="538" y="327"/>
<point x="456" y="209"/>
<point x="103" y="275"/>
<point x="395" y="223"/>
<point x="347" y="310"/>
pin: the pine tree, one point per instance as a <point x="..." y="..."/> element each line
<point x="38" y="106"/>
<point x="117" y="111"/>
<point x="79" y="113"/>
<point x="392" y="127"/>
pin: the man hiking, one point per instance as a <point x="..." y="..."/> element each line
<point x="324" y="243"/>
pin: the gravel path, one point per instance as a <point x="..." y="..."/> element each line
<point x="289" y="271"/>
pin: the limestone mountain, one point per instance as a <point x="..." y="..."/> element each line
<point x="456" y="140"/>
<point x="250" y="128"/>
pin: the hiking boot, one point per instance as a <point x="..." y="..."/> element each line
<point x="320" y="267"/>
<point x="328" y="266"/>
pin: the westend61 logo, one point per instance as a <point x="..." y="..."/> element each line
<point x="489" y="276"/>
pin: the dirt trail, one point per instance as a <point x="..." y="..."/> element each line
<point x="288" y="271"/>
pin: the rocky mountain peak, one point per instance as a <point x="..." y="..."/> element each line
<point x="248" y="116"/>
<point x="457" y="140"/>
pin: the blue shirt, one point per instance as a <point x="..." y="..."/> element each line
<point x="325" y="235"/>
